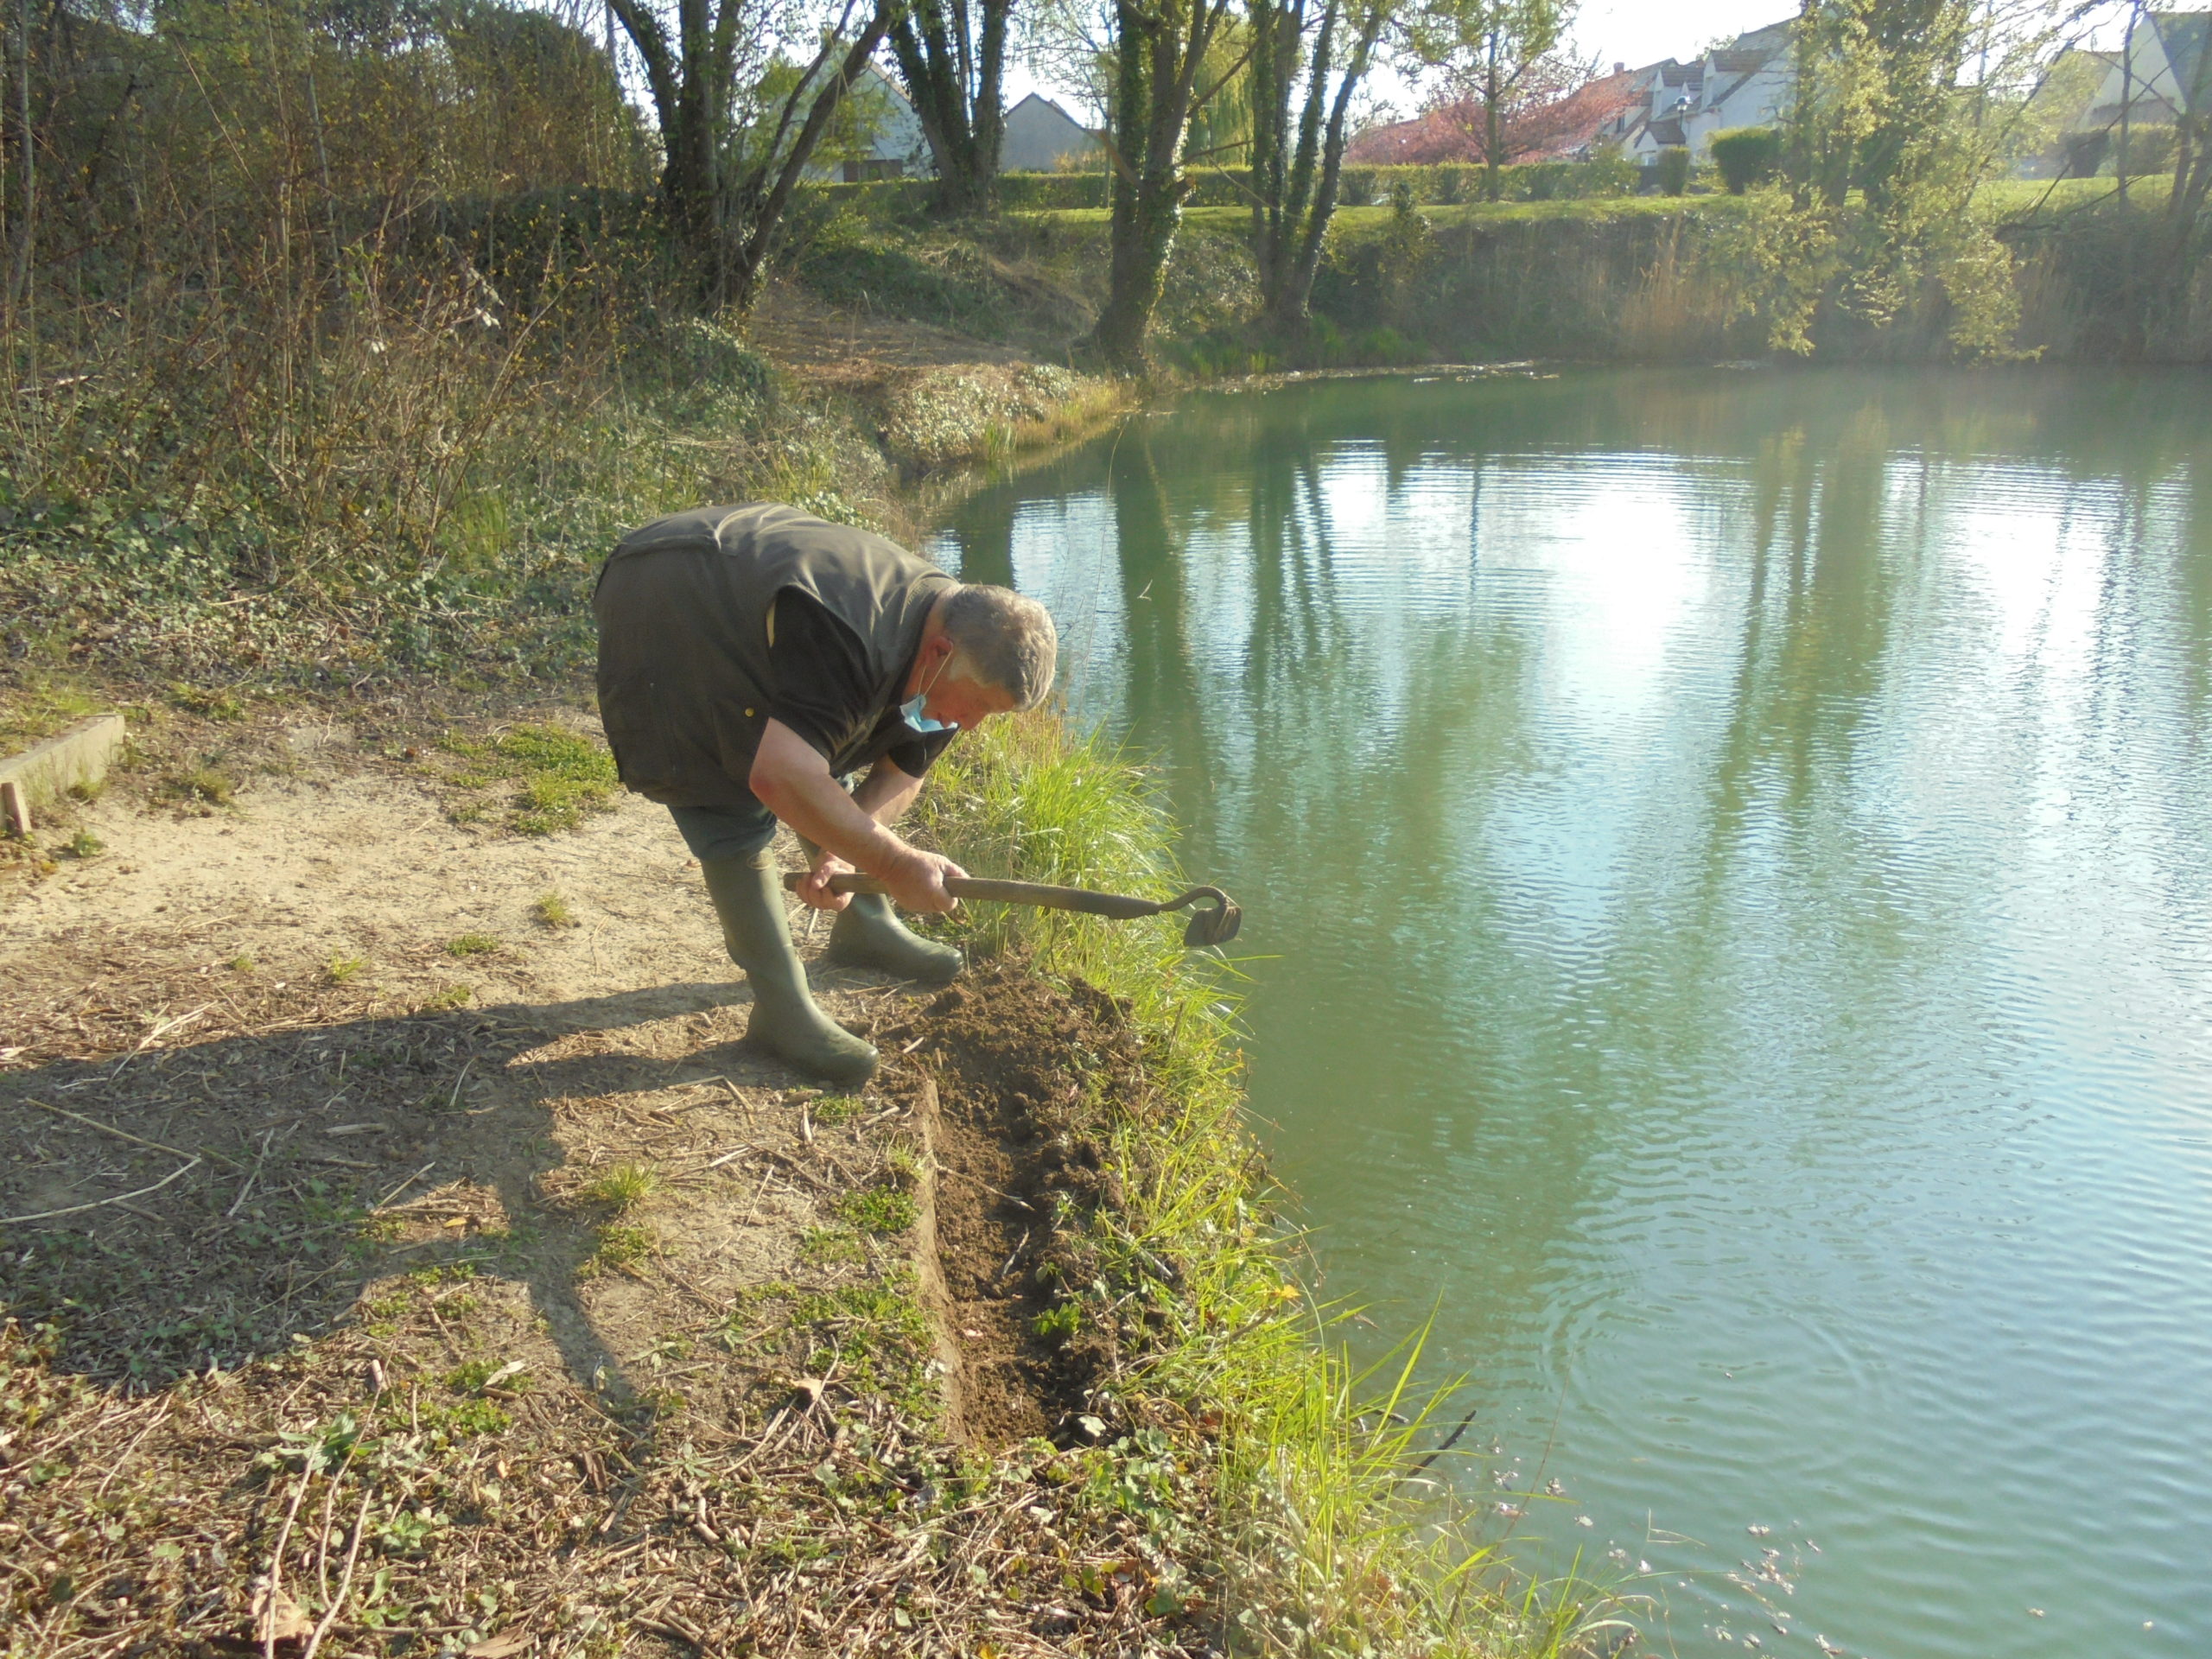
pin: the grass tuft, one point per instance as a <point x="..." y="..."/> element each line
<point x="339" y="969"/>
<point x="83" y="844"/>
<point x="620" y="1189"/>
<point x="882" y="1210"/>
<point x="472" y="944"/>
<point x="207" y="785"/>
<point x="552" y="910"/>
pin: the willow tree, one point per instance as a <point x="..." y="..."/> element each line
<point x="736" y="139"/>
<point x="1161" y="48"/>
<point x="952" y="57"/>
<point x="1307" y="63"/>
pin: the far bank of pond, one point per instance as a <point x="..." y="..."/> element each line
<point x="1724" y="853"/>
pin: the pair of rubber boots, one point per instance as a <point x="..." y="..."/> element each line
<point x="748" y="895"/>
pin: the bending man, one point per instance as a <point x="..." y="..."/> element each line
<point x="751" y="659"/>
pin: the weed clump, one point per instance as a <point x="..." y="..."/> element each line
<point x="552" y="778"/>
<point x="472" y="944"/>
<point x="883" y="1211"/>
<point x="620" y="1189"/>
<point x="553" y="911"/>
<point x="205" y="787"/>
<point x="207" y="704"/>
<point x="619" y="1247"/>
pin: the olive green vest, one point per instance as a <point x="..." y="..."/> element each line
<point x="683" y="608"/>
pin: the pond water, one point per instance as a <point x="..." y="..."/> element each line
<point x="1727" y="852"/>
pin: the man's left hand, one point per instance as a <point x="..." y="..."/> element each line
<point x="815" y="890"/>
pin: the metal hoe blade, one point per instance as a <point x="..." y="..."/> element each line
<point x="1215" y="923"/>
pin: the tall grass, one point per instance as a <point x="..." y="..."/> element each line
<point x="1334" y="1534"/>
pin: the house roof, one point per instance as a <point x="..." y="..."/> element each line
<point x="1548" y="132"/>
<point x="1667" y="130"/>
<point x="1046" y="106"/>
<point x="1770" y="38"/>
<point x="2187" y="37"/>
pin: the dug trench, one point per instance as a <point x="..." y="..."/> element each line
<point x="1020" y="1083"/>
<point x="549" y="1319"/>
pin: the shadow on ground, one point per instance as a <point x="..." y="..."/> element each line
<point x="277" y="1171"/>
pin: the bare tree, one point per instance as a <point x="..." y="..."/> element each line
<point x="733" y="156"/>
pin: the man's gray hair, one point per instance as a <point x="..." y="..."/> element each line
<point x="1008" y="640"/>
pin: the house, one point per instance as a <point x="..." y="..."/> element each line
<point x="886" y="141"/>
<point x="1042" y="137"/>
<point x="1750" y="82"/>
<point x="2164" y="71"/>
<point x="1558" y="130"/>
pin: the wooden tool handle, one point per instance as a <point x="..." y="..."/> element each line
<point x="1119" y="906"/>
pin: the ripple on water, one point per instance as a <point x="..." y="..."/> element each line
<point x="1730" y="868"/>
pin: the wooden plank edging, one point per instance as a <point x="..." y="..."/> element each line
<point x="79" y="755"/>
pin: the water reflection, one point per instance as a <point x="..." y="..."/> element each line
<point x="1732" y="849"/>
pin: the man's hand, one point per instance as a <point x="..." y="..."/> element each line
<point x="919" y="882"/>
<point x="815" y="890"/>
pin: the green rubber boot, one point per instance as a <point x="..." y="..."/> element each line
<point x="749" y="898"/>
<point x="868" y="934"/>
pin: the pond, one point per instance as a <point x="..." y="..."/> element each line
<point x="1727" y="857"/>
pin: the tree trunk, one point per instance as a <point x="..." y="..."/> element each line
<point x="1298" y="198"/>
<point x="1162" y="46"/>
<point x="1493" y="128"/>
<point x="723" y="214"/>
<point x="955" y="85"/>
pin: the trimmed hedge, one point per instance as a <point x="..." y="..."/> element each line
<point x="1747" y="156"/>
<point x="1441" y="184"/>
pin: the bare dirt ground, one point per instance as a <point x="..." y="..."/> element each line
<point x="843" y="345"/>
<point x="395" y="1261"/>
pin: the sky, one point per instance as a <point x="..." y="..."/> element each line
<point x="1634" y="32"/>
<point x="1627" y="31"/>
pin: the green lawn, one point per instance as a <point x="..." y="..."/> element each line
<point x="2005" y="196"/>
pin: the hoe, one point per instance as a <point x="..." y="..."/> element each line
<point x="1214" y="924"/>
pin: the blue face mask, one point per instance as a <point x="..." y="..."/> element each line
<point x="911" y="710"/>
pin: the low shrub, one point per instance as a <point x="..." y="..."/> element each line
<point x="1745" y="156"/>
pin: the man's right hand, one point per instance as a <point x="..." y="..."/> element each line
<point x="918" y="883"/>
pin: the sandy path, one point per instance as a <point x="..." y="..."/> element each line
<point x="204" y="982"/>
<point x="351" y="858"/>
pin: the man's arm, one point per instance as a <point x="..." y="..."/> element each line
<point x="792" y="779"/>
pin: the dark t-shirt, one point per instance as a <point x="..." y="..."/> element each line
<point x="821" y="683"/>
